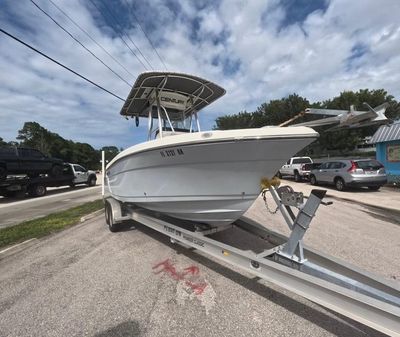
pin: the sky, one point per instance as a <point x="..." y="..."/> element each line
<point x="256" y="50"/>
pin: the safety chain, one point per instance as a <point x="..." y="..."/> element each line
<point x="266" y="203"/>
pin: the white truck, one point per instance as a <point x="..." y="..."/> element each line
<point x="82" y="175"/>
<point x="18" y="186"/>
<point x="297" y="167"/>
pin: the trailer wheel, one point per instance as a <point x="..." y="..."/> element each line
<point x="37" y="190"/>
<point x="112" y="226"/>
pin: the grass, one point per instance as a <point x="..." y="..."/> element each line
<point x="49" y="224"/>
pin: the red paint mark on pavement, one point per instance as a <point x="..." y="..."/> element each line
<point x="168" y="268"/>
<point x="198" y="288"/>
<point x="191" y="270"/>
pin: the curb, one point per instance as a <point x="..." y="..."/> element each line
<point x="91" y="215"/>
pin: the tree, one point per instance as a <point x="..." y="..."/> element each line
<point x="109" y="152"/>
<point x="34" y="135"/>
<point x="2" y="142"/>
<point x="277" y="111"/>
<point x="272" y="113"/>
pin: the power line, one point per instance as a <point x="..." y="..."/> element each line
<point x="76" y="40"/>
<point x="60" y="64"/>
<point x="88" y="35"/>
<point x="116" y="21"/>
<point x="147" y="37"/>
<point x="123" y="40"/>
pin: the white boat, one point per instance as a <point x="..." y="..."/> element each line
<point x="209" y="177"/>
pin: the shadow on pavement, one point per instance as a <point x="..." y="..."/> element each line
<point x="125" y="329"/>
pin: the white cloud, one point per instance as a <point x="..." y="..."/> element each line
<point x="239" y="45"/>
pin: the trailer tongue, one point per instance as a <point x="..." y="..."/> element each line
<point x="323" y="279"/>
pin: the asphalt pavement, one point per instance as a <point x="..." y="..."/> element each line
<point x="87" y="281"/>
<point x="386" y="197"/>
<point x="57" y="199"/>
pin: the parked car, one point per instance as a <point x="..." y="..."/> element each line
<point x="27" y="161"/>
<point x="357" y="172"/>
<point x="82" y="175"/>
<point x="296" y="167"/>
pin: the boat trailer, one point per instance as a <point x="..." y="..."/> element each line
<point x="286" y="262"/>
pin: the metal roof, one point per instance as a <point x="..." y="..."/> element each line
<point x="386" y="133"/>
<point x="195" y="92"/>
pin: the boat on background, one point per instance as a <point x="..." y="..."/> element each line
<point x="209" y="177"/>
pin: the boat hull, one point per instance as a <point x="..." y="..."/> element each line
<point x="213" y="182"/>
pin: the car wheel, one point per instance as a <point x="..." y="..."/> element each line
<point x="91" y="181"/>
<point x="297" y="176"/>
<point x="3" y="173"/>
<point x="112" y="226"/>
<point x="279" y="175"/>
<point x="339" y="184"/>
<point x="37" y="190"/>
<point x="56" y="170"/>
<point x="313" y="180"/>
<point x="374" y="188"/>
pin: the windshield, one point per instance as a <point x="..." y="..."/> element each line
<point x="302" y="160"/>
<point x="369" y="164"/>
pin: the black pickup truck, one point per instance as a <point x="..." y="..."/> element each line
<point x="27" y="161"/>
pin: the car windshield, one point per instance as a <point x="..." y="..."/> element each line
<point x="369" y="164"/>
<point x="301" y="160"/>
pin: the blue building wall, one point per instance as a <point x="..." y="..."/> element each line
<point x="392" y="168"/>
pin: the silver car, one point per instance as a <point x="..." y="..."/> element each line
<point x="342" y="173"/>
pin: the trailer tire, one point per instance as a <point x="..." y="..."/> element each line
<point x="37" y="190"/>
<point x="112" y="226"/>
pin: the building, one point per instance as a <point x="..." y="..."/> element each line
<point x="365" y="145"/>
<point x="387" y="140"/>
